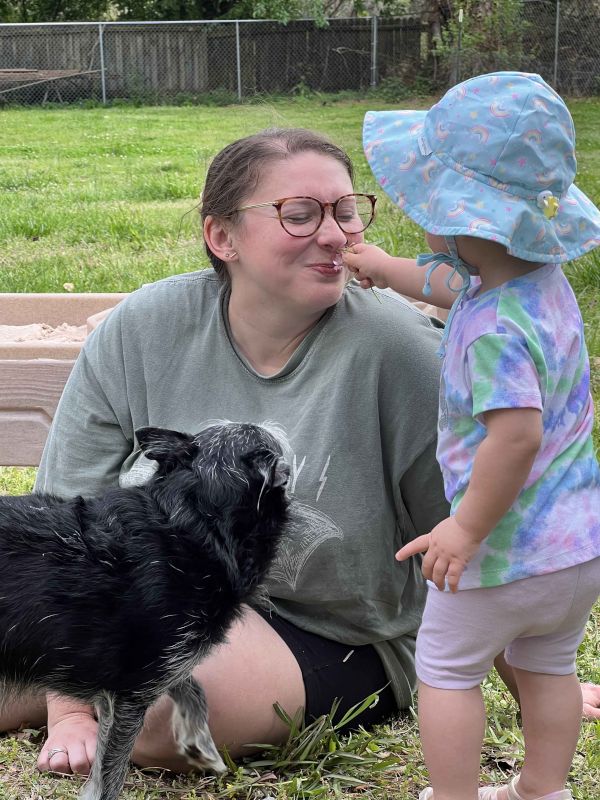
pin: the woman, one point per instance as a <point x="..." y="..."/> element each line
<point x="273" y="332"/>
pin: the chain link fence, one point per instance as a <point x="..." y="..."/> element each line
<point x="560" y="40"/>
<point x="562" y="43"/>
<point x="174" y="61"/>
<point x="154" y="62"/>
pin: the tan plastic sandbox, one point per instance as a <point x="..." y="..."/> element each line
<point x="33" y="371"/>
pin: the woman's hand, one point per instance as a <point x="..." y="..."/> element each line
<point x="71" y="743"/>
<point x="449" y="549"/>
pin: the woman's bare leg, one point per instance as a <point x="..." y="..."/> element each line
<point x="27" y="710"/>
<point x="242" y="679"/>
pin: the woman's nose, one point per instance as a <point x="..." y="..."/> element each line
<point x="330" y="232"/>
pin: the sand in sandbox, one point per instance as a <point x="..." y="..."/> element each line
<point x="41" y="332"/>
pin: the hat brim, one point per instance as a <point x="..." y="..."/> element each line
<point x="449" y="202"/>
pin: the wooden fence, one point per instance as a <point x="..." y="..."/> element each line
<point x="158" y="61"/>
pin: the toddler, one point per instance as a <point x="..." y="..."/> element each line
<point x="488" y="173"/>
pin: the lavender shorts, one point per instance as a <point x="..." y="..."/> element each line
<point x="538" y="622"/>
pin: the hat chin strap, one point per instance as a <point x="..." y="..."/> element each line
<point x="459" y="267"/>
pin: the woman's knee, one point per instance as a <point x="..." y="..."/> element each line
<point x="26" y="710"/>
<point x="155" y="745"/>
<point x="242" y="680"/>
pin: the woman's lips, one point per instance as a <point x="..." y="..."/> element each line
<point x="329" y="267"/>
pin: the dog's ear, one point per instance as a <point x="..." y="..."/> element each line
<point x="271" y="468"/>
<point x="167" y="447"/>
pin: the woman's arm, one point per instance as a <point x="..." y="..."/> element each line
<point x="72" y="731"/>
<point x="92" y="431"/>
<point x="422" y="490"/>
<point x="83" y="454"/>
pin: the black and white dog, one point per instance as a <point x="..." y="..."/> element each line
<point x="114" y="600"/>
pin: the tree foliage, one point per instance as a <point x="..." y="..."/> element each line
<point x="281" y="10"/>
<point x="172" y="9"/>
<point x="52" y="10"/>
<point x="286" y="10"/>
<point x="489" y="38"/>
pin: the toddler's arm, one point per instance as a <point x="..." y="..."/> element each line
<point x="372" y="266"/>
<point x="500" y="469"/>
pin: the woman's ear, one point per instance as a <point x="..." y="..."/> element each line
<point x="217" y="236"/>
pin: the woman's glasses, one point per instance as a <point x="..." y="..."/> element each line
<point x="302" y="216"/>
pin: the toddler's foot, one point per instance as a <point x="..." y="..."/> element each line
<point x="510" y="792"/>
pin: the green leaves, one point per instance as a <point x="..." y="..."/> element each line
<point x="318" y="760"/>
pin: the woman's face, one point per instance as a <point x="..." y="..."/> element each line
<point x="299" y="274"/>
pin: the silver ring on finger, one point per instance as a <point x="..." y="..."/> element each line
<point x="56" y="750"/>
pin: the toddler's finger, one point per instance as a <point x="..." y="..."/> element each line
<point x="428" y="564"/>
<point x="438" y="573"/>
<point x="453" y="578"/>
<point x="418" y="545"/>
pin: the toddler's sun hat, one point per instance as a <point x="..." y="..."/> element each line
<point x="494" y="159"/>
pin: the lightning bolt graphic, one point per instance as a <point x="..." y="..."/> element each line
<point x="296" y="470"/>
<point x="322" y="477"/>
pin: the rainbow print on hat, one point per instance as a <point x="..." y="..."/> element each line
<point x="495" y="159"/>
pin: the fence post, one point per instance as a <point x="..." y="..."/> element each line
<point x="374" y="21"/>
<point x="238" y="59"/>
<point x="556" y="27"/>
<point x="101" y="51"/>
<point x="459" y="43"/>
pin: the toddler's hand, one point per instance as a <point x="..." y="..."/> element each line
<point x="369" y="264"/>
<point x="449" y="549"/>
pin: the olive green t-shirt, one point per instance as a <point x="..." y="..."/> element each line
<point x="358" y="400"/>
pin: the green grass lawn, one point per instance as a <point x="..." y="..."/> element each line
<point x="104" y="199"/>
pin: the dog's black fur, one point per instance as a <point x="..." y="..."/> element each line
<point x="114" y="600"/>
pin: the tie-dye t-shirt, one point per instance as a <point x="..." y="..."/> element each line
<point x="521" y="345"/>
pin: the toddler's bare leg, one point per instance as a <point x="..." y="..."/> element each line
<point x="452" y="724"/>
<point x="551" y="707"/>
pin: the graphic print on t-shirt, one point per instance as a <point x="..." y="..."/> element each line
<point x="307" y="530"/>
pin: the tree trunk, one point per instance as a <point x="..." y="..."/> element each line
<point x="435" y="14"/>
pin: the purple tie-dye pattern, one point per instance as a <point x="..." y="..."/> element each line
<point x="522" y="345"/>
<point x="554" y="420"/>
<point x="579" y="397"/>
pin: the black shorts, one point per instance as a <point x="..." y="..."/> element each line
<point x="331" y="671"/>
